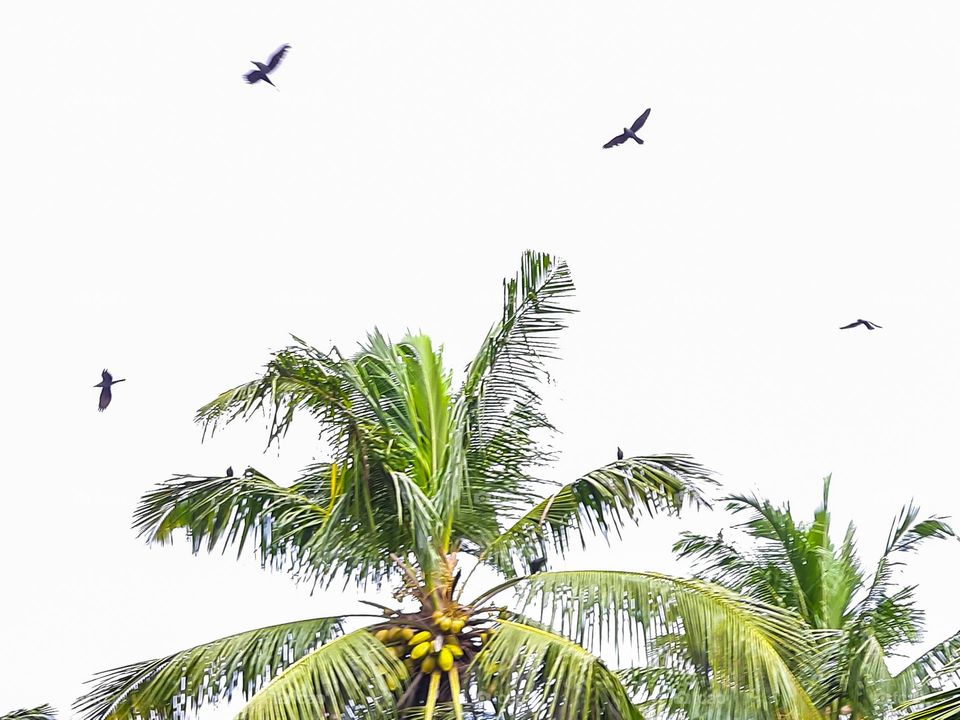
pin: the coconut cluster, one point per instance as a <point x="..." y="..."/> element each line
<point x="447" y="642"/>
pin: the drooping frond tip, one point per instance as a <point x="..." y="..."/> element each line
<point x="41" y="712"/>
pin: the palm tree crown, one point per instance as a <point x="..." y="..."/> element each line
<point x="426" y="478"/>
<point x="861" y="619"/>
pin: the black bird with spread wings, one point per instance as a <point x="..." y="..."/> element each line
<point x="105" y="395"/>
<point x="866" y="323"/>
<point x="262" y="70"/>
<point x="630" y="132"/>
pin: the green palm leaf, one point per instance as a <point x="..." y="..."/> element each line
<point x="599" y="502"/>
<point x="930" y="671"/>
<point x="509" y="365"/>
<point x="203" y="674"/>
<point x="745" y="644"/>
<point x="353" y="676"/>
<point x="530" y="668"/>
<point x="681" y="693"/>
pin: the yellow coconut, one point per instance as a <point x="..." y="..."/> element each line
<point x="419" y="638"/>
<point x="445" y="659"/>
<point x="420" y="650"/>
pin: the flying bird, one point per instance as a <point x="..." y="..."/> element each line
<point x="866" y="323"/>
<point x="105" y="394"/>
<point x="263" y="71"/>
<point x="619" y="454"/>
<point x="230" y="471"/>
<point x="631" y="132"/>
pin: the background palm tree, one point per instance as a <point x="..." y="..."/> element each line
<point x="42" y="712"/>
<point x="860" y="619"/>
<point x="426" y="480"/>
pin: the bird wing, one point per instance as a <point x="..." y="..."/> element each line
<point x="851" y="325"/>
<point x="277" y="57"/>
<point x="618" y="140"/>
<point x="254" y="76"/>
<point x="877" y="326"/>
<point x="640" y="120"/>
<point x="105" y="397"/>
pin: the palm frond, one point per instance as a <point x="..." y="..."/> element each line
<point x="793" y="554"/>
<point x="510" y="361"/>
<point x="41" y="712"/>
<point x="601" y="501"/>
<point x="498" y="409"/>
<point x="745" y="644"/>
<point x="937" y="667"/>
<point x="528" y="667"/>
<point x="354" y="676"/>
<point x="299" y="377"/>
<point x="203" y="674"/>
<point x="906" y="533"/>
<point x="681" y="693"/>
<point x="943" y="705"/>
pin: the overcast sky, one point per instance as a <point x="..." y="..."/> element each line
<point x="165" y="220"/>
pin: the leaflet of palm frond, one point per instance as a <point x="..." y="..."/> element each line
<point x="41" y="712"/>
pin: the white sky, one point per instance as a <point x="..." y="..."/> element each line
<point x="164" y="220"/>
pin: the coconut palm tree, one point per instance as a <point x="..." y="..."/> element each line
<point x="426" y="482"/>
<point x="42" y="712"/>
<point x="862" y="619"/>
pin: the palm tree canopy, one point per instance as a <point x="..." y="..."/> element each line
<point x="422" y="470"/>
<point x="861" y="618"/>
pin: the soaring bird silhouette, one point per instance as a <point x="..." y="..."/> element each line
<point x="262" y="70"/>
<point x="230" y="471"/>
<point x="631" y="132"/>
<point x="619" y="454"/>
<point x="866" y="323"/>
<point x="105" y="394"/>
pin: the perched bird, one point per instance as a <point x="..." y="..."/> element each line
<point x="230" y="471"/>
<point x="263" y="70"/>
<point x="537" y="565"/>
<point x="866" y="323"/>
<point x="105" y="394"/>
<point x="631" y="132"/>
<point x="619" y="454"/>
